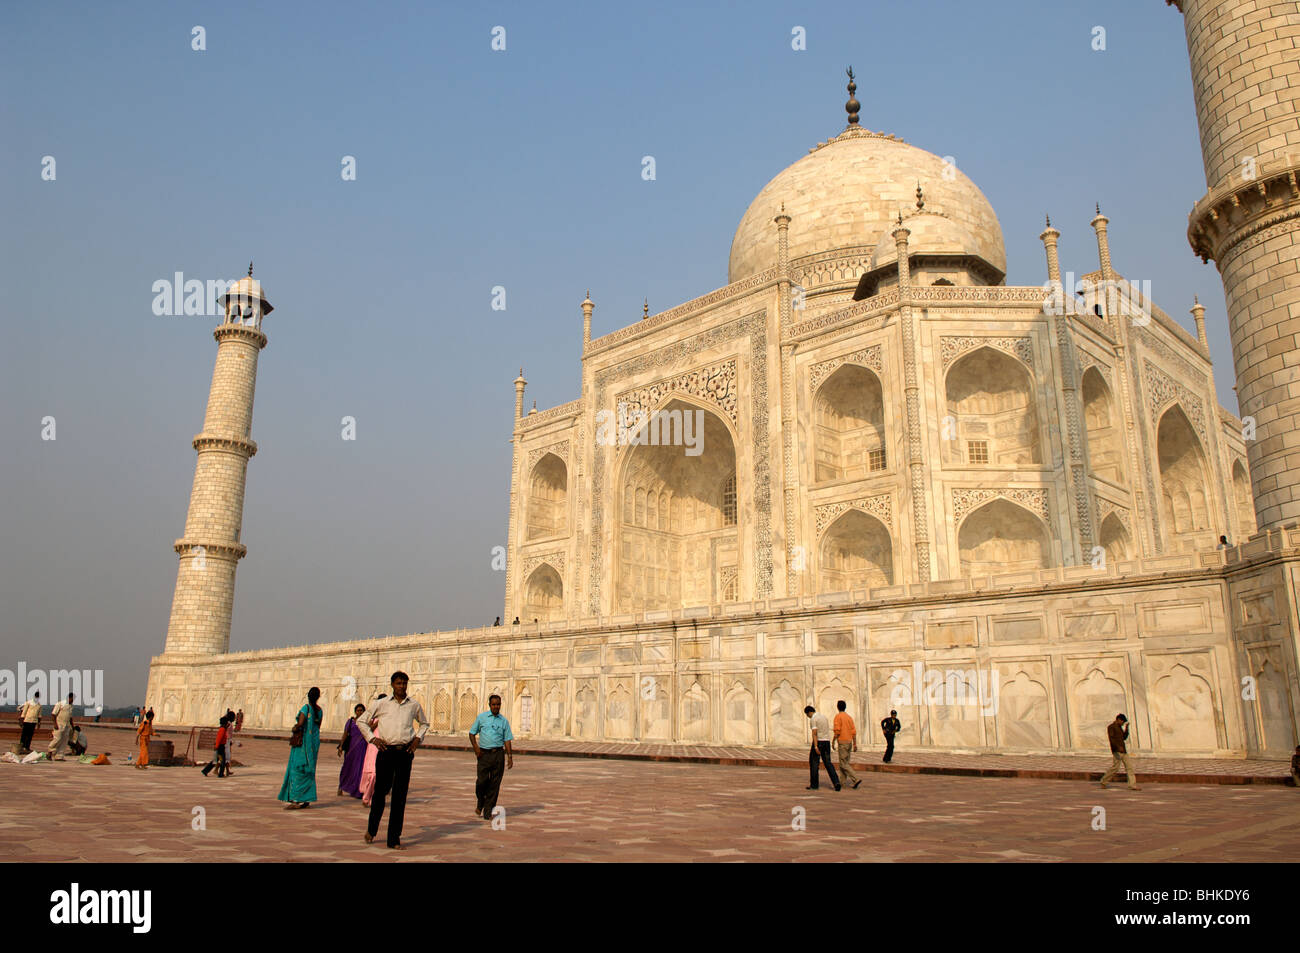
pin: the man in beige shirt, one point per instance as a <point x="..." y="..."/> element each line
<point x="62" y="715"/>
<point x="396" y="737"/>
<point x="31" y="718"/>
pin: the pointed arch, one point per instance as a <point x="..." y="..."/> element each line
<point x="993" y="402"/>
<point x="544" y="594"/>
<point x="856" y="552"/>
<point x="1114" y="539"/>
<point x="1184" y="479"/>
<point x="1243" y="501"/>
<point x="548" y="498"/>
<point x="685" y="525"/>
<point x="1105" y="442"/>
<point x="1001" y="537"/>
<point x="849" y="424"/>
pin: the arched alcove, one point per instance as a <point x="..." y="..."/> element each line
<point x="990" y="396"/>
<point x="1114" y="539"/>
<point x="1105" y="444"/>
<point x="1243" y="501"/>
<point x="548" y="496"/>
<point x="856" y="553"/>
<point x="544" y="595"/>
<point x="1183" y="478"/>
<point x="1002" y="537"/>
<point x="681" y="519"/>
<point x="849" y="427"/>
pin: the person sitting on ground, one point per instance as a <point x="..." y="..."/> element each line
<point x="77" y="741"/>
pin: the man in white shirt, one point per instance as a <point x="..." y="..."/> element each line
<point x="31" y="718"/>
<point x="62" y="715"/>
<point x="821" y="749"/>
<point x="396" y="737"/>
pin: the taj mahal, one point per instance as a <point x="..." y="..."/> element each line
<point x="893" y="463"/>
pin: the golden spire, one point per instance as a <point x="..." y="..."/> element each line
<point x="852" y="106"/>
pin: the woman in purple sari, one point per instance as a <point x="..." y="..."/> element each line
<point x="352" y="749"/>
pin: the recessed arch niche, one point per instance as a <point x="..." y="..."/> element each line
<point x="1002" y="537"/>
<point x="677" y="538"/>
<point x="544" y="595"/>
<point x="856" y="552"/>
<point x="1105" y="445"/>
<point x="1184" y="484"/>
<point x="1243" y="501"/>
<point x="849" y="425"/>
<point x="548" y="497"/>
<point x="990" y="398"/>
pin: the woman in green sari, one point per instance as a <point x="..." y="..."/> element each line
<point x="299" y="787"/>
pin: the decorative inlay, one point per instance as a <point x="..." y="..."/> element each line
<point x="555" y="560"/>
<point x="1106" y="507"/>
<point x="560" y="449"/>
<point x="952" y="348"/>
<point x="1162" y="390"/>
<point x="867" y="357"/>
<point x="715" y="383"/>
<point x="753" y="326"/>
<point x="966" y="500"/>
<point x="736" y="290"/>
<point x="881" y="506"/>
<point x="1159" y="348"/>
<point x="564" y="410"/>
<point x="854" y="313"/>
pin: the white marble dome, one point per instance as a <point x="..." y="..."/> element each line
<point x="847" y="193"/>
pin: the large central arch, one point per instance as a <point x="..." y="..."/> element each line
<point x="677" y="531"/>
<point x="993" y="409"/>
<point x="1186" y="503"/>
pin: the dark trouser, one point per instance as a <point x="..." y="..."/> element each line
<point x="392" y="773"/>
<point x="29" y="729"/>
<point x="218" y="761"/>
<point x="491" y="768"/>
<point x="889" y="747"/>
<point x="822" y="754"/>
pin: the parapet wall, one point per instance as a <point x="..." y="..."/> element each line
<point x="1028" y="662"/>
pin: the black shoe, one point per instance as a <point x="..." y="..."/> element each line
<point x="206" y="770"/>
<point x="856" y="783"/>
<point x="837" y="787"/>
<point x="811" y="787"/>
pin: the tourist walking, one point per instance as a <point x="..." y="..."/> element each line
<point x="31" y="719"/>
<point x="62" y="716"/>
<point x="890" y="726"/>
<point x="821" y="749"/>
<point x="352" y="749"/>
<point x="372" y="752"/>
<point x="143" y="734"/>
<point x="1117" y="733"/>
<point x="230" y="741"/>
<point x="135" y="718"/>
<point x="219" y="758"/>
<point x="491" y="736"/>
<point x="396" y="737"/>
<point x="299" y="787"/>
<point x="846" y="738"/>
<point x="239" y="720"/>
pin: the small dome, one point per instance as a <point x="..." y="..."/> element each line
<point x="848" y="192"/>
<point x="932" y="234"/>
<point x="248" y="288"/>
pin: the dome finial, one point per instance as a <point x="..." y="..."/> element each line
<point x="920" y="198"/>
<point x="250" y="269"/>
<point x="852" y="106"/>
<point x="645" y="310"/>
<point x="1049" y="219"/>
<point x="1098" y="206"/>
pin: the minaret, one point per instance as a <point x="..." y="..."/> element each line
<point x="210" y="548"/>
<point x="1246" y="81"/>
<point x="587" y="308"/>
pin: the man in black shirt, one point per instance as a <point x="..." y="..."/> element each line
<point x="890" y="726"/>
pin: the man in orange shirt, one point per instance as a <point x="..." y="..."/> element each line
<point x="846" y="737"/>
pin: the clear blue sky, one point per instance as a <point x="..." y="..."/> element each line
<point x="474" y="169"/>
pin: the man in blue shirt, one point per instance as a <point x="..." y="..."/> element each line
<point x="491" y="736"/>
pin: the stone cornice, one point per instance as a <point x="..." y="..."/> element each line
<point x="240" y="331"/>
<point x="571" y="409"/>
<point x="210" y="548"/>
<point x="209" y="441"/>
<point x="738" y="289"/>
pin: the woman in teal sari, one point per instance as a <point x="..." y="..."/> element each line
<point x="299" y="787"/>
